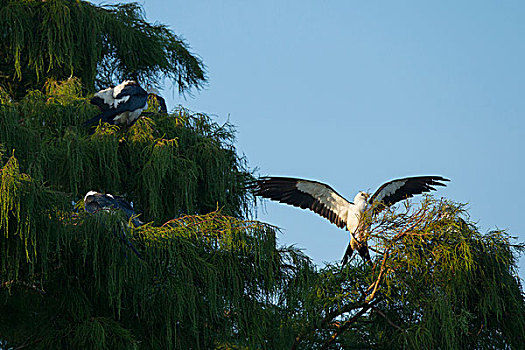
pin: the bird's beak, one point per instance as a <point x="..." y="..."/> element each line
<point x="367" y="196"/>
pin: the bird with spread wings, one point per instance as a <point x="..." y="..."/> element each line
<point x="325" y="201"/>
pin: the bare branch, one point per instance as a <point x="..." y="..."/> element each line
<point x="344" y="327"/>
<point x="24" y="284"/>
<point x="381" y="313"/>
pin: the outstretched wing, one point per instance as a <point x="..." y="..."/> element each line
<point x="399" y="189"/>
<point x="305" y="194"/>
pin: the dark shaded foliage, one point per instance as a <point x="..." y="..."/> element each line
<point x="101" y="45"/>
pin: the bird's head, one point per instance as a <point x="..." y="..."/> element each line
<point x="90" y="193"/>
<point x="153" y="91"/>
<point x="361" y="197"/>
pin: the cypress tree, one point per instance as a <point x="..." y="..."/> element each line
<point x="209" y="276"/>
<point x="100" y="45"/>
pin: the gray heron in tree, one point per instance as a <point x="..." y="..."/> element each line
<point x="325" y="201"/>
<point x="121" y="105"/>
<point x="96" y="202"/>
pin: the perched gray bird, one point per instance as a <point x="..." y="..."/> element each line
<point x="95" y="202"/>
<point x="121" y="105"/>
<point x="325" y="201"/>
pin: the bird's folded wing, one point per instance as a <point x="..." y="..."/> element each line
<point x="130" y="90"/>
<point x="103" y="99"/>
<point x="305" y="194"/>
<point x="100" y="103"/>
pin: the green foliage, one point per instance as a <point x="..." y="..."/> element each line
<point x="168" y="164"/>
<point x="201" y="277"/>
<point x="436" y="283"/>
<point x="100" y="45"/>
<point x="208" y="278"/>
<point x="25" y="217"/>
<point x="68" y="280"/>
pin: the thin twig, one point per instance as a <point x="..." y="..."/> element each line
<point x="375" y="285"/>
<point x="381" y="313"/>
<point x="345" y="326"/>
<point x="326" y="320"/>
<point x="24" y="284"/>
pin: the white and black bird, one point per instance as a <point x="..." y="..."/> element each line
<point x="96" y="202"/>
<point x="325" y="201"/>
<point x="121" y="105"/>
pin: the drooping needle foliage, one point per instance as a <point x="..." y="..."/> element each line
<point x="205" y="277"/>
<point x="436" y="283"/>
<point x="166" y="164"/>
<point x="214" y="281"/>
<point x="68" y="282"/>
<point x="68" y="278"/>
<point x="101" y="45"/>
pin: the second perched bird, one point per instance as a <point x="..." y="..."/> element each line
<point x="325" y="201"/>
<point x="95" y="202"/>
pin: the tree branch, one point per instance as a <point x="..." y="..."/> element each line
<point x="365" y="306"/>
<point x="24" y="284"/>
<point x="381" y="313"/>
<point x="29" y="343"/>
<point x="345" y="327"/>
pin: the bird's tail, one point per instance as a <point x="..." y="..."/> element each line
<point x="348" y="254"/>
<point x="93" y="121"/>
<point x="103" y="117"/>
<point x="364" y="253"/>
<point x="135" y="250"/>
<point x="362" y="249"/>
<point x="126" y="241"/>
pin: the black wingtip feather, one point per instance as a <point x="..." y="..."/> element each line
<point x="285" y="190"/>
<point x="411" y="186"/>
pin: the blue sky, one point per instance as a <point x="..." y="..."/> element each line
<point x="357" y="93"/>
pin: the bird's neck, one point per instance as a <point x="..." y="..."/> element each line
<point x="360" y="205"/>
